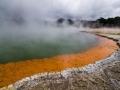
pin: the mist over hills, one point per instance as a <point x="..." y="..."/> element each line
<point x="101" y="22"/>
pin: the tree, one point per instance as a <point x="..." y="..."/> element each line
<point x="71" y="22"/>
<point x="60" y="20"/>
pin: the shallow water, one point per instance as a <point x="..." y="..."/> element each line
<point x="41" y="43"/>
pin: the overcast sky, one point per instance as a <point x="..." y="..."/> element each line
<point x="37" y="9"/>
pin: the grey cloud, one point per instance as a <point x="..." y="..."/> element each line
<point x="46" y="9"/>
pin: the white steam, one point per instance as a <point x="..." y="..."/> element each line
<point x="47" y="9"/>
<point x="30" y="13"/>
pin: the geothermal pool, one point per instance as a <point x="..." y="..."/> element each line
<point x="18" y="47"/>
<point x="31" y="51"/>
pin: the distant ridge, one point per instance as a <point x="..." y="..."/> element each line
<point x="101" y="22"/>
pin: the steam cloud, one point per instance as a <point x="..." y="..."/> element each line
<point x="47" y="9"/>
<point x="34" y="11"/>
<point x="21" y="21"/>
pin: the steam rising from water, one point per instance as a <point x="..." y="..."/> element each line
<point x="41" y="41"/>
<point x="26" y="16"/>
<point x="30" y="13"/>
<point x="35" y="10"/>
<point x="27" y="30"/>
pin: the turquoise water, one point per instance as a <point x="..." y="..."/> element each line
<point x="16" y="47"/>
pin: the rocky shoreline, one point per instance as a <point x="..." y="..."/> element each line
<point x="103" y="75"/>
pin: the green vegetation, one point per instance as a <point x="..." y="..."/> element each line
<point x="102" y="22"/>
<point x="110" y="22"/>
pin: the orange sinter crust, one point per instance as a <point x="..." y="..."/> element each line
<point x="11" y="72"/>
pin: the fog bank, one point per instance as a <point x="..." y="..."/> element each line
<point x="49" y="9"/>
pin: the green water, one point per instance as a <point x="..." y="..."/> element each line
<point x="16" y="47"/>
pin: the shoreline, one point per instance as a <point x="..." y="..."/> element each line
<point x="35" y="80"/>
